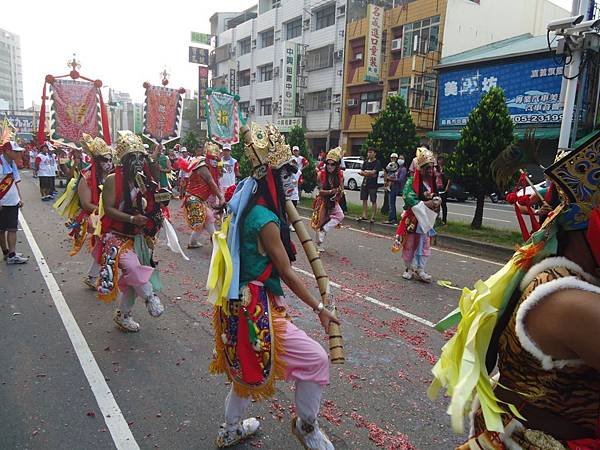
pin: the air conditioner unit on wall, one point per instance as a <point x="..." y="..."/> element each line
<point x="372" y="107"/>
<point x="396" y="44"/>
<point x="306" y="24"/>
<point x="351" y="102"/>
<point x="392" y="93"/>
<point x="358" y="57"/>
<point x="251" y="108"/>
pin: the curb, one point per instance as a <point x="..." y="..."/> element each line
<point x="450" y="242"/>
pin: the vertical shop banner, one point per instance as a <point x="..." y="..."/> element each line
<point x="373" y="44"/>
<point x="202" y="87"/>
<point x="290" y="80"/>
<point x="75" y="110"/>
<point x="162" y="114"/>
<point x="138" y="114"/>
<point x="233" y="77"/>
<point x="223" y="118"/>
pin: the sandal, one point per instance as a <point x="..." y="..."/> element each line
<point x="360" y="219"/>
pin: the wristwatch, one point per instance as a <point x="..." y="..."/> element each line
<point x="319" y="308"/>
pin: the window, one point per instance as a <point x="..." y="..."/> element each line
<point x="367" y="97"/>
<point x="265" y="73"/>
<point x="265" y="107"/>
<point x="325" y="17"/>
<point x="266" y="38"/>
<point x="244" y="46"/>
<point x="293" y="28"/>
<point x="403" y="87"/>
<point x="423" y="92"/>
<point x="421" y="36"/>
<point x="319" y="58"/>
<point x="316" y="101"/>
<point x="244" y="77"/>
<point x="244" y="107"/>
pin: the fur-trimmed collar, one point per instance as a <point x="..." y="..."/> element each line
<point x="556" y="261"/>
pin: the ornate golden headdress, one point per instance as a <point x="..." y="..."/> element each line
<point x="211" y="150"/>
<point x="335" y="154"/>
<point x="128" y="142"/>
<point x="265" y="147"/>
<point x="577" y="175"/>
<point x="95" y="147"/>
<point x="424" y="156"/>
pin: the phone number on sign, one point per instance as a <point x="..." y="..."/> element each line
<point x="537" y="118"/>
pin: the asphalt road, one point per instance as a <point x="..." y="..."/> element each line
<point x="496" y="215"/>
<point x="157" y="381"/>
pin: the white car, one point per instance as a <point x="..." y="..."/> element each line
<point x="352" y="177"/>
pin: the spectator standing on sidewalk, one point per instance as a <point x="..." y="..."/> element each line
<point x="231" y="169"/>
<point x="395" y="178"/>
<point x="10" y="202"/>
<point x="368" y="190"/>
<point x="45" y="168"/>
<point x="443" y="185"/>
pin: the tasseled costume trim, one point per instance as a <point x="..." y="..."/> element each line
<point x="111" y="296"/>
<point x="80" y="239"/>
<point x="278" y="370"/>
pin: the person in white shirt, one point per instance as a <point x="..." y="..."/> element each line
<point x="10" y="202"/>
<point x="45" y="167"/>
<point x="231" y="169"/>
<point x="32" y="156"/>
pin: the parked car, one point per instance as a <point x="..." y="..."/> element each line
<point x="457" y="192"/>
<point x="352" y="177"/>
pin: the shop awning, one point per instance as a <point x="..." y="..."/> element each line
<point x="454" y="135"/>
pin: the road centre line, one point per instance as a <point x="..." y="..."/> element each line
<point x="372" y="300"/>
<point x="113" y="417"/>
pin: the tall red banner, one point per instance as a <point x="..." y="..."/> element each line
<point x="75" y="110"/>
<point x="162" y="114"/>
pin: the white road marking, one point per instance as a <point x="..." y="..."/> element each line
<point x="113" y="417"/>
<point x="508" y="210"/>
<point x="484" y="218"/>
<point x="390" y="238"/>
<point x="372" y="300"/>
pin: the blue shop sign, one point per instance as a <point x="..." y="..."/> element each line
<point x="531" y="87"/>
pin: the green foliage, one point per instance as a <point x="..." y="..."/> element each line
<point x="393" y="131"/>
<point x="297" y="136"/>
<point x="488" y="131"/>
<point x="237" y="151"/>
<point x="191" y="142"/>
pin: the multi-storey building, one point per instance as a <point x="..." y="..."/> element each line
<point x="414" y="35"/>
<point x="285" y="60"/>
<point x="11" y="71"/>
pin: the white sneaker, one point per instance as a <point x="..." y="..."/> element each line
<point x="194" y="244"/>
<point x="292" y="229"/>
<point x="423" y="276"/>
<point x="310" y="436"/>
<point x="154" y="306"/>
<point x="17" y="253"/>
<point x="408" y="274"/>
<point x="90" y="282"/>
<point x="17" y="259"/>
<point x="125" y="322"/>
<point x="243" y="430"/>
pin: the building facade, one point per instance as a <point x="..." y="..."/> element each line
<point x="11" y="71"/>
<point x="415" y="35"/>
<point x="285" y="60"/>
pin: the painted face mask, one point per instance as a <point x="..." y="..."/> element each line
<point x="331" y="166"/>
<point x="136" y="162"/>
<point x="107" y="166"/>
<point x="287" y="182"/>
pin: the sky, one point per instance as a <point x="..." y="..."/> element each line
<point x="123" y="43"/>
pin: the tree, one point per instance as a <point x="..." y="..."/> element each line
<point x="393" y="132"/>
<point x="237" y="151"/>
<point x="488" y="131"/>
<point x="297" y="136"/>
<point x="190" y="142"/>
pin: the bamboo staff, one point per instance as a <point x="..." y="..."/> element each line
<point x="336" y="343"/>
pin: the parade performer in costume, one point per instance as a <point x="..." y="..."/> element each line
<point x="327" y="213"/>
<point x="421" y="205"/>
<point x="255" y="341"/>
<point x="537" y="321"/>
<point x="79" y="203"/>
<point x="132" y="218"/>
<point x="203" y="194"/>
